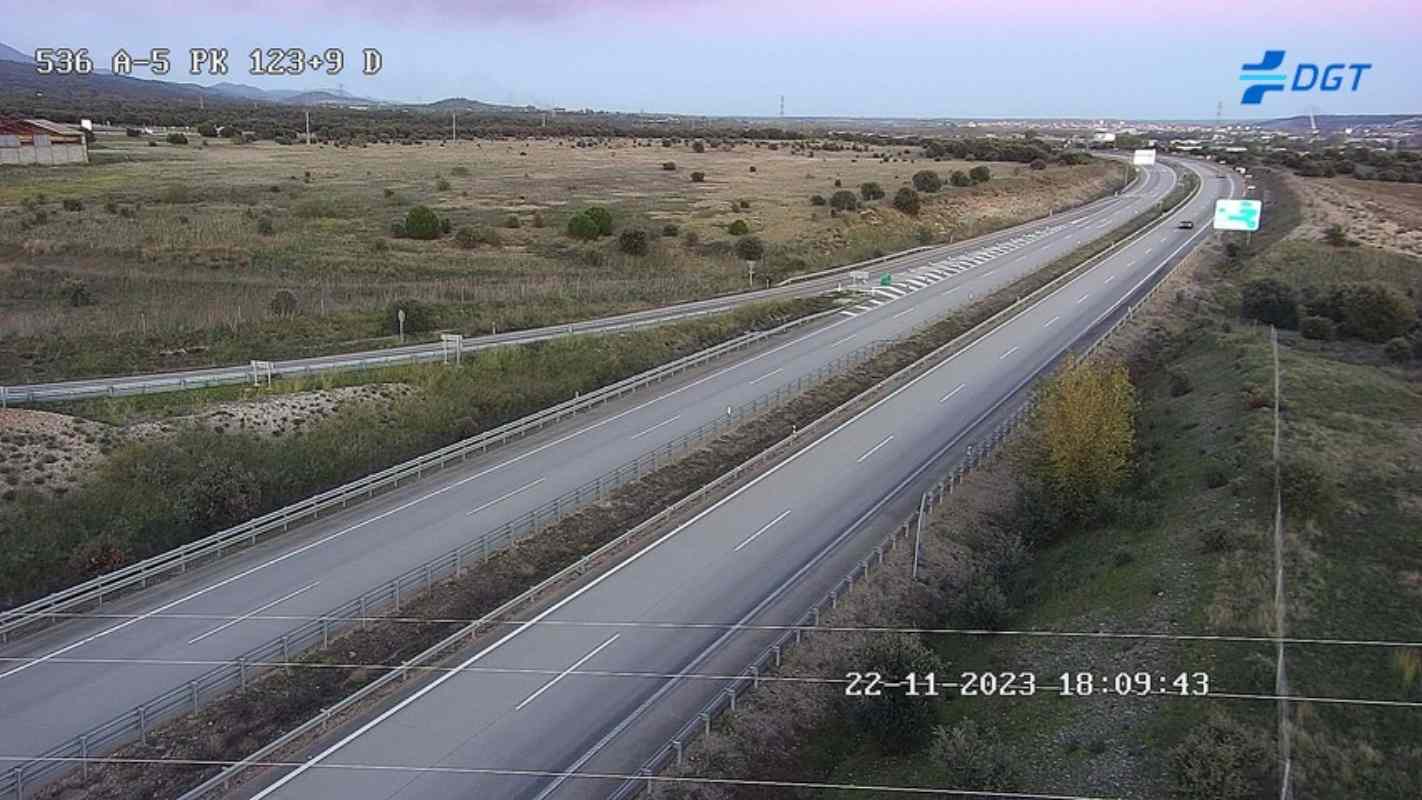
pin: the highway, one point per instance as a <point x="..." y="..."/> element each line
<point x="551" y="695"/>
<point x="59" y="683"/>
<point x="426" y="351"/>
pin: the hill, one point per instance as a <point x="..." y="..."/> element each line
<point x="1335" y="122"/>
<point x="8" y="53"/>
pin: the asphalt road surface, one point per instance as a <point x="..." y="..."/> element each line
<point x="188" y="379"/>
<point x="59" y="683"/>
<point x="553" y="694"/>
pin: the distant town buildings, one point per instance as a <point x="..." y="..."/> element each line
<point x="39" y="141"/>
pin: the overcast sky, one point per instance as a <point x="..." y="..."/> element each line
<point x="974" y="58"/>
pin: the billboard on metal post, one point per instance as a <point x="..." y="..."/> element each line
<point x="1237" y="215"/>
<point x="1143" y="158"/>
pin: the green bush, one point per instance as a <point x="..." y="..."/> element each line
<point x="982" y="604"/>
<point x="75" y="292"/>
<point x="582" y="226"/>
<point x="1373" y="312"/>
<point x="818" y="200"/>
<point x="750" y="248"/>
<point x="265" y="226"/>
<point x="894" y="720"/>
<point x="698" y="177"/>
<point x="441" y="185"/>
<point x="1037" y="164"/>
<point x="602" y="217"/>
<point x="671" y="229"/>
<point x="421" y="223"/>
<point x="471" y="236"/>
<point x="284" y="303"/>
<point x="923" y="235"/>
<point x="1398" y="350"/>
<point x="738" y="228"/>
<point x="1180" y="384"/>
<point x="698" y="146"/>
<point x="419" y="316"/>
<point x="844" y="200"/>
<point x="1270" y="301"/>
<point x="1318" y="328"/>
<point x="1335" y="235"/>
<point x="871" y="190"/>
<point x="1221" y="759"/>
<point x="71" y="204"/>
<point x="927" y="180"/>
<point x="512" y="221"/>
<point x="980" y="174"/>
<point x="1305" y="488"/>
<point x="972" y="756"/>
<point x="906" y="200"/>
<point x="960" y="178"/>
<point x="177" y="138"/>
<point x="633" y="242"/>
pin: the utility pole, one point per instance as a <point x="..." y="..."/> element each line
<point x="453" y="126"/>
<point x="750" y="273"/>
<point x="308" y="127"/>
<point x="782" y="106"/>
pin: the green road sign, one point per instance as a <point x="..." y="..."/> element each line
<point x="887" y="279"/>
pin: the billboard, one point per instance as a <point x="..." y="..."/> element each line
<point x="1143" y="158"/>
<point x="1237" y="215"/>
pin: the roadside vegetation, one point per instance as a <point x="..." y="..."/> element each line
<point x="151" y="494"/>
<point x="1180" y="542"/>
<point x="171" y="257"/>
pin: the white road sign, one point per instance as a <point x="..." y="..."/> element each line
<point x="1143" y="158"/>
<point x="1237" y="215"/>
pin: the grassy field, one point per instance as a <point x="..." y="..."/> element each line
<point x="181" y="249"/>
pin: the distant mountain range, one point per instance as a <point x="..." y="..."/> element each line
<point x="1337" y="122"/>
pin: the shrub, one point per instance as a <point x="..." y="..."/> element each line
<point x="838" y="183"/>
<point x="1270" y="301"/>
<point x="283" y="303"/>
<point x="75" y="293"/>
<point x="698" y="177"/>
<point x="752" y="169"/>
<point x="470" y="237"/>
<point x="512" y="221"/>
<point x="893" y="719"/>
<point x="441" y="185"/>
<point x="1335" y="235"/>
<point x="1221" y="759"/>
<point x="1037" y="164"/>
<point x="750" y="248"/>
<point x="538" y="219"/>
<point x="132" y="133"/>
<point x="1305" y="488"/>
<point x="70" y="204"/>
<point x="844" y="200"/>
<point x="743" y="204"/>
<point x="1373" y="312"/>
<point x="418" y="316"/>
<point x="1319" y="328"/>
<point x="906" y="200"/>
<point x="972" y="756"/>
<point x="698" y="146"/>
<point x="633" y="242"/>
<point x="738" y="228"/>
<point x="980" y="174"/>
<point x="421" y="223"/>
<point x="818" y="200"/>
<point x="870" y="190"/>
<point x="582" y="226"/>
<point x="177" y="138"/>
<point x="927" y="180"/>
<point x="671" y="229"/>
<point x="669" y="166"/>
<point x="691" y="239"/>
<point x="1398" y="350"/>
<point x="460" y="171"/>
<point x="1180" y="384"/>
<point x="923" y="235"/>
<point x="265" y="226"/>
<point x="960" y="178"/>
<point x="982" y="604"/>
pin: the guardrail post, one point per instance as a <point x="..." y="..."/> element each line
<point x="680" y="755"/>
<point x="395" y="585"/>
<point x="776" y="651"/>
<point x="84" y="754"/>
<point x="193" y="693"/>
<point x="285" y="656"/>
<point x="706" y="722"/>
<point x="363" y="614"/>
<point x="755" y="676"/>
<point x="731" y="693"/>
<point x="143" y="724"/>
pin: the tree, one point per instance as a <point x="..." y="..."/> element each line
<point x="927" y="180"/>
<point x="960" y="178"/>
<point x="980" y="174"/>
<point x="844" y="200"/>
<point x="207" y="130"/>
<point x="421" y="223"/>
<point x="750" y="248"/>
<point x="871" y="190"/>
<point x="582" y="226"/>
<point x="1086" y="422"/>
<point x="1373" y="312"/>
<point x="633" y="242"/>
<point x="1270" y="301"/>
<point x="896" y="721"/>
<point x="1220" y="759"/>
<point x="906" y="200"/>
<point x="738" y="228"/>
<point x="1319" y="328"/>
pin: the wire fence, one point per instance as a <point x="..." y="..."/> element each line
<point x="93" y="592"/>
<point x="390" y="596"/>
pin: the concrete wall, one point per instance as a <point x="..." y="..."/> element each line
<point x="47" y="154"/>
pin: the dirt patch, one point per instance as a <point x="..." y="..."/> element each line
<point x="1382" y="215"/>
<point x="48" y="453"/>
<point x="277" y="415"/>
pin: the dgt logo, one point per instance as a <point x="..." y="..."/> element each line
<point x="1306" y="76"/>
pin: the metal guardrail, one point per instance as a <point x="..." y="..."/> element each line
<point x="674" y="751"/>
<point x="390" y="595"/>
<point x="14" y="621"/>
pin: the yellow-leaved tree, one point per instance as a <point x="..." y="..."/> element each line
<point x="1086" y="423"/>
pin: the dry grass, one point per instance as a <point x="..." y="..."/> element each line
<point x="1383" y="215"/>
<point x="169" y="240"/>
